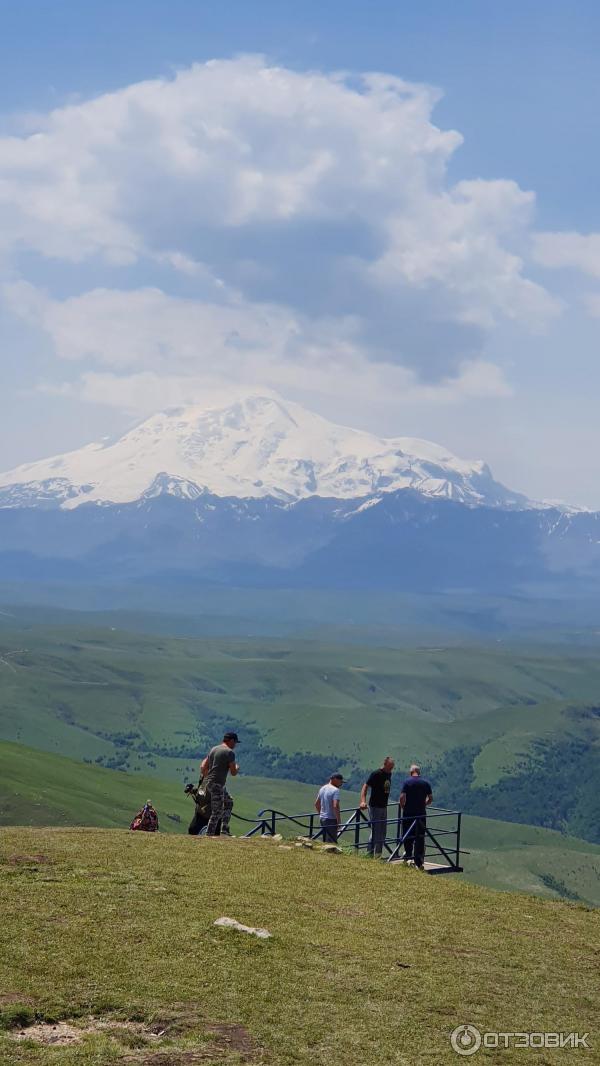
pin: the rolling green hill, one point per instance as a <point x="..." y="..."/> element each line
<point x="504" y="732"/>
<point x="50" y="790"/>
<point x="38" y="789"/>
<point x="108" y="937"/>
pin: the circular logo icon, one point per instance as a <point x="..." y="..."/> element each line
<point x="465" y="1040"/>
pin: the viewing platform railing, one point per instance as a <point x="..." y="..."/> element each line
<point x="441" y="832"/>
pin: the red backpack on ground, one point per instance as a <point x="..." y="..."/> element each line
<point x="146" y="819"/>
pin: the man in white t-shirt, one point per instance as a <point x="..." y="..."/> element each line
<point x="327" y="804"/>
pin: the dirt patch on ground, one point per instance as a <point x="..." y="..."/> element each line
<point x="65" y="1033"/>
<point x="60" y="1034"/>
<point x="177" y="1021"/>
<point x="231" y="1037"/>
<point x="28" y="860"/>
<point x="226" y="1040"/>
<point x="223" y="1039"/>
<point x="210" y="1053"/>
<point x="172" y="1058"/>
<point x="9" y="999"/>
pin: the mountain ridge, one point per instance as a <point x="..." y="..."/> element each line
<point x="401" y="539"/>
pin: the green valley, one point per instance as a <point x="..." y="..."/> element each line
<point x="504" y="732"/>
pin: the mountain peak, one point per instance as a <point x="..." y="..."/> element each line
<point x="257" y="445"/>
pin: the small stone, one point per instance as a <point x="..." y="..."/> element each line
<point x="232" y="923"/>
<point x="332" y="849"/>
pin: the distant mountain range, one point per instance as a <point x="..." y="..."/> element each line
<point x="263" y="491"/>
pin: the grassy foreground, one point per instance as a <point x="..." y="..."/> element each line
<point x="366" y="963"/>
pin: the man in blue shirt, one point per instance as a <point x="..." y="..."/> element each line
<point x="415" y="797"/>
<point x="327" y="805"/>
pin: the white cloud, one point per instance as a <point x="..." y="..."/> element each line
<point x="591" y="302"/>
<point x="320" y="385"/>
<point x="308" y="198"/>
<point x="147" y="328"/>
<point x="576" y="250"/>
<point x="227" y="143"/>
<point x="163" y="349"/>
<point x="150" y="329"/>
<point x="455" y="239"/>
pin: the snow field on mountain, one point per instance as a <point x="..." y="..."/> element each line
<point x="255" y="447"/>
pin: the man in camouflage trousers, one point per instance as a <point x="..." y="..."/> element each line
<point x="219" y="762"/>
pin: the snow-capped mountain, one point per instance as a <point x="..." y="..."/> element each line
<point x="259" y="446"/>
<point x="262" y="492"/>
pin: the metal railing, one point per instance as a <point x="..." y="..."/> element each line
<point x="441" y="832"/>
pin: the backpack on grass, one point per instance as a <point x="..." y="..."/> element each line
<point x="146" y="820"/>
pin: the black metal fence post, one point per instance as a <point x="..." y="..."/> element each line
<point x="458" y="821"/>
<point x="357" y="831"/>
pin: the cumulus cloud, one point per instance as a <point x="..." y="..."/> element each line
<point x="575" y="250"/>
<point x="226" y="143"/>
<point x="591" y="302"/>
<point x="148" y="328"/>
<point x="187" y="346"/>
<point x="306" y="223"/>
<point x="140" y="394"/>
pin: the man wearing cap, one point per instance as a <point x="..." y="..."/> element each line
<point x="327" y="804"/>
<point x="219" y="762"/>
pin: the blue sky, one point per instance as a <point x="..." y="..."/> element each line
<point x="139" y="265"/>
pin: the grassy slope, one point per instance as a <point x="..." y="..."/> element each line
<point x="366" y="964"/>
<point x="527" y="858"/>
<point x="41" y="789"/>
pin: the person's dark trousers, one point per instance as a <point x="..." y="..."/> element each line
<point x="221" y="806"/>
<point x="330" y="830"/>
<point x="378" y="819"/>
<point x="414" y="842"/>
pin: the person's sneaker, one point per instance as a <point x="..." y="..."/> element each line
<point x="225" y="833"/>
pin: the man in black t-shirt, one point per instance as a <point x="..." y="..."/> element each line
<point x="380" y="783"/>
<point x="415" y="797"/>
